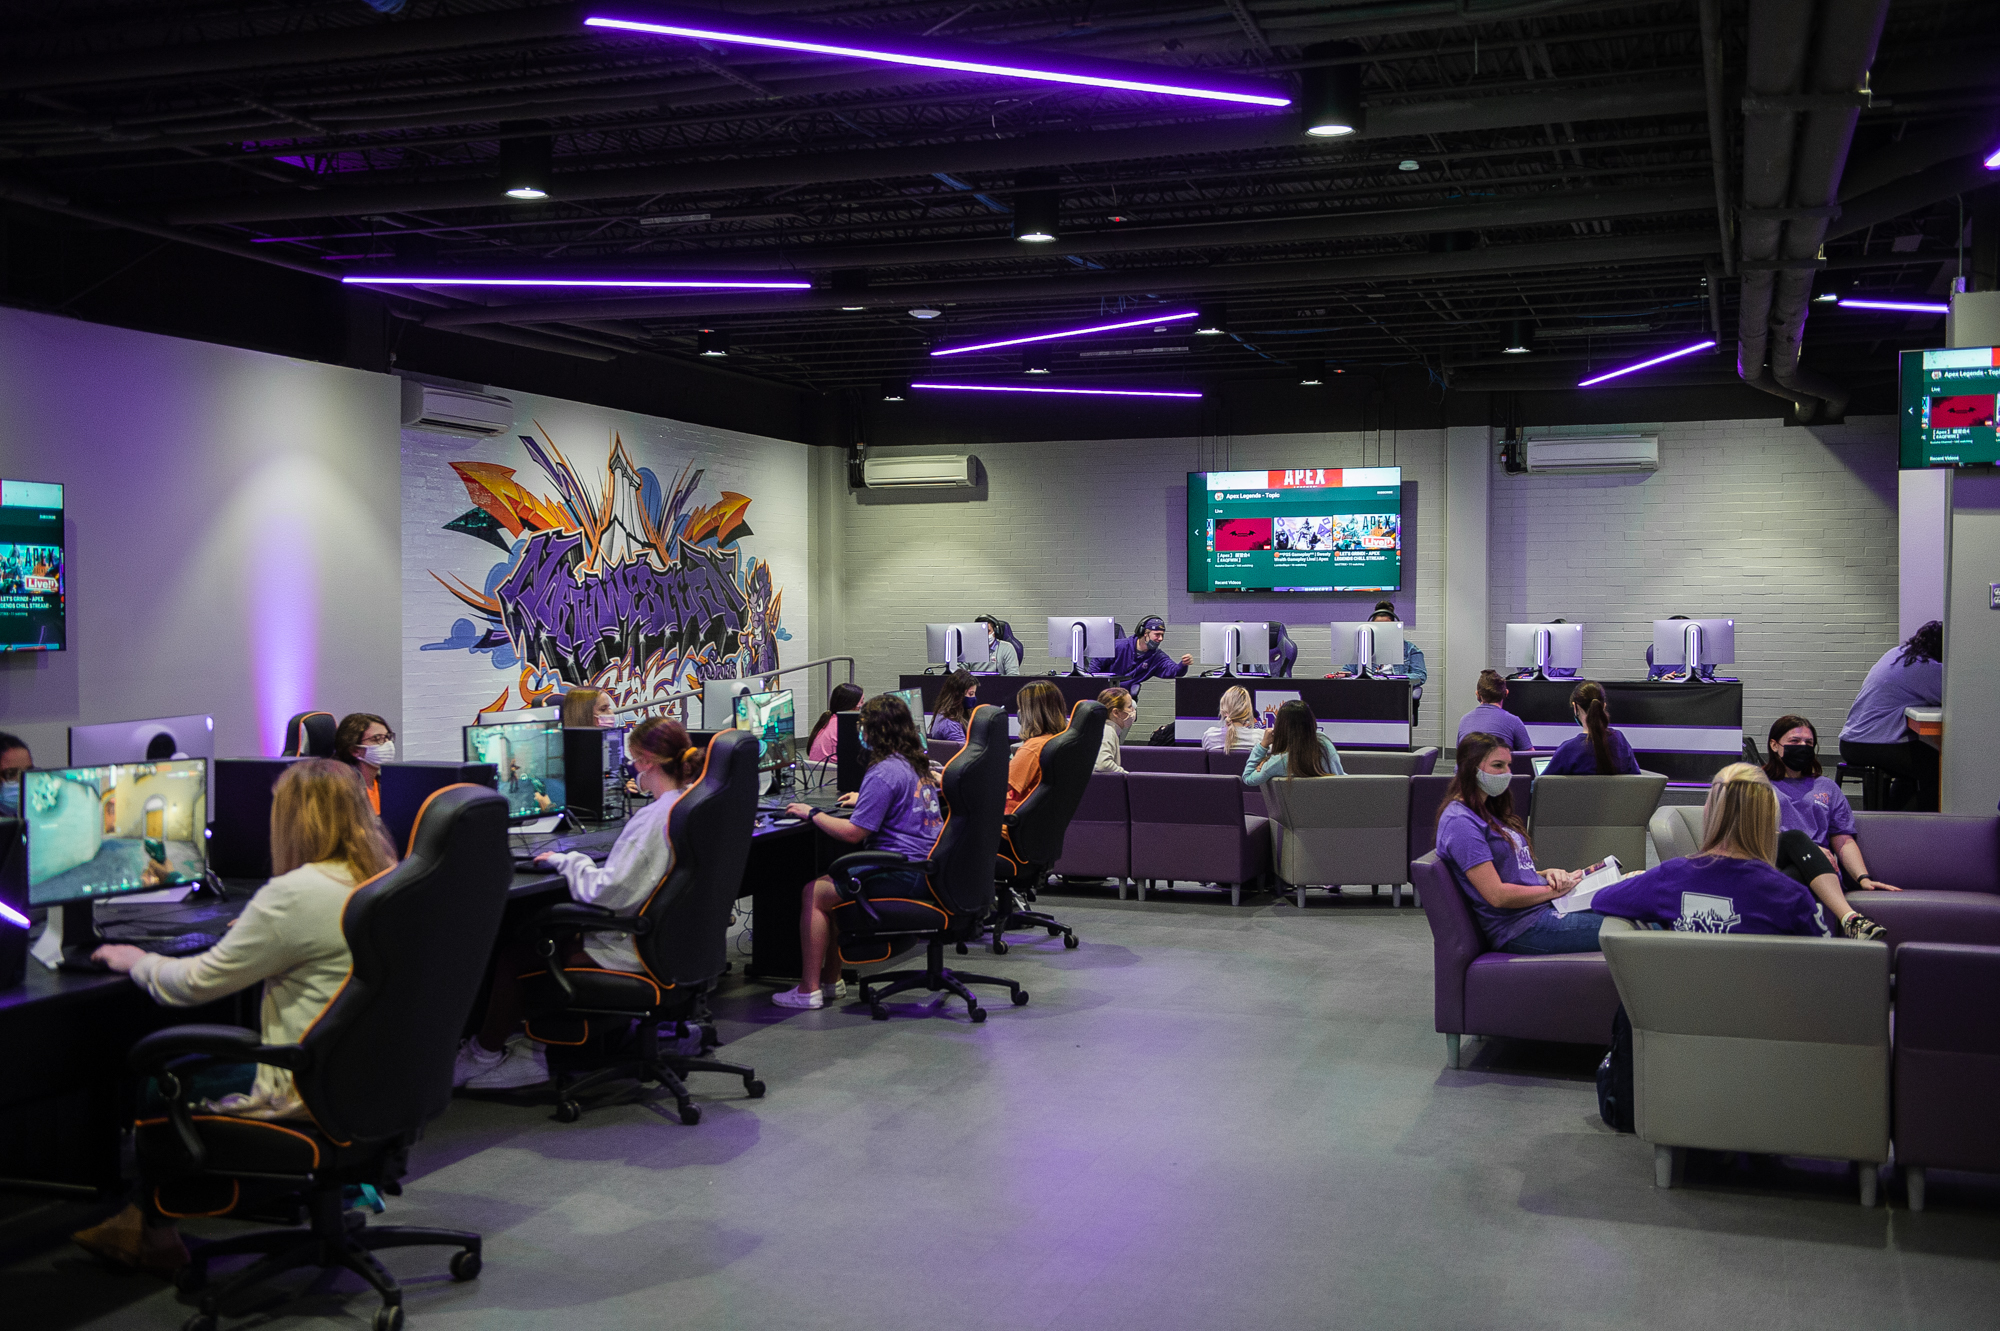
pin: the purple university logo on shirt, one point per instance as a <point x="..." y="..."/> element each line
<point x="1702" y="913"/>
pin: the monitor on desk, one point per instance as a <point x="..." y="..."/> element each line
<point x="115" y="829"/>
<point x="772" y="718"/>
<point x="914" y="700"/>
<point x="1230" y="643"/>
<point x="954" y="644"/>
<point x="527" y="757"/>
<point x="1080" y="638"/>
<point x="1371" y="645"/>
<point x="1544" y="647"/>
<point x="144" y="741"/>
<point x="1713" y="642"/>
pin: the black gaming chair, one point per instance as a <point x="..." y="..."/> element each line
<point x="583" y="1012"/>
<point x="1032" y="835"/>
<point x="373" y="1070"/>
<point x="1005" y="632"/>
<point x="310" y="735"/>
<point x="958" y="891"/>
<point x="1284" y="652"/>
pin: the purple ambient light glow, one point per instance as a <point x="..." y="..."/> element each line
<point x="931" y="55"/>
<point x="647" y="283"/>
<point x="1068" y="332"/>
<point x="1644" y="364"/>
<point x="1993" y="162"/>
<point x="15" y="917"/>
<point x="1087" y="392"/>
<point x="1910" y="307"/>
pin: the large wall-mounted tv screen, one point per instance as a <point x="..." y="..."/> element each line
<point x="31" y="566"/>
<point x="1948" y="407"/>
<point x="1306" y="529"/>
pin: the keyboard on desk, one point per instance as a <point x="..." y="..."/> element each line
<point x="172" y="945"/>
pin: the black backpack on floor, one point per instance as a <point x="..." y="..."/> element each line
<point x="1614" y="1075"/>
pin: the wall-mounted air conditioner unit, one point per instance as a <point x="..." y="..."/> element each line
<point x="899" y="472"/>
<point x="454" y="410"/>
<point x="1581" y="454"/>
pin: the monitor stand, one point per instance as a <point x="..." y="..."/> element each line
<point x="80" y="937"/>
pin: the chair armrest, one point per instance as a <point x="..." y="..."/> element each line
<point x="864" y="861"/>
<point x="230" y="1043"/>
<point x="566" y="917"/>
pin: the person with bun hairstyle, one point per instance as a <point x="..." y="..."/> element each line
<point x="1121" y="712"/>
<point x="1491" y="718"/>
<point x="1599" y="750"/>
<point x="825" y="740"/>
<point x="499" y="1059"/>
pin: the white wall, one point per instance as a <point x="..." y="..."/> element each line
<point x="232" y="529"/>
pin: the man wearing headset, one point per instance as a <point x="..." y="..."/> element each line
<point x="1140" y="657"/>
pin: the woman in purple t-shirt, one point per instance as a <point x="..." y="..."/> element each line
<point x="1483" y="842"/>
<point x="897" y="810"/>
<point x="1816" y="824"/>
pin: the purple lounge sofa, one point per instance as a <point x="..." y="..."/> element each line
<point x="1098" y="843"/>
<point x="1946" y="1070"/>
<point x="1949" y="868"/>
<point x="1193" y="829"/>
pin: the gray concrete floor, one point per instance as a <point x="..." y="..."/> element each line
<point x="1205" y="1118"/>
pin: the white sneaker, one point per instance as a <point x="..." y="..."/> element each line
<point x="793" y="998"/>
<point x="522" y="1064"/>
<point x="834" y="992"/>
<point x="473" y="1060"/>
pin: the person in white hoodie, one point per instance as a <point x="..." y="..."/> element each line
<point x="325" y="842"/>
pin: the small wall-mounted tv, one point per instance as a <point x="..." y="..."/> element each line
<point x="1302" y="529"/>
<point x="32" y="582"/>
<point x="1948" y="397"/>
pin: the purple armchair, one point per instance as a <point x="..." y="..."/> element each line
<point x="1098" y="843"/>
<point x="1947" y="1060"/>
<point x="1188" y="759"/>
<point x="1570" y="998"/>
<point x="1194" y="829"/>
<point x="1949" y="868"/>
<point x="1427" y="797"/>
<point x="1232" y="764"/>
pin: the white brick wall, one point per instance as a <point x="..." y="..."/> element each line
<point x="1789" y="531"/>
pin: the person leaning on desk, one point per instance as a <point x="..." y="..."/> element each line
<point x="325" y="841"/>
<point x="1136" y="659"/>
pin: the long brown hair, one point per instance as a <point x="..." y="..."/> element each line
<point x="1589" y="696"/>
<point x="1774" y="763"/>
<point x="1496" y="811"/>
<point x="1040" y="707"/>
<point x="1296" y="735"/>
<point x="320" y="812"/>
<point x="665" y="741"/>
<point x="579" y="707"/>
<point x="1740" y="816"/>
<point x="844" y="698"/>
<point x="887" y="726"/>
<point x="951" y="697"/>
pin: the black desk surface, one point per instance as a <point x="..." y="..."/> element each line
<point x="1636" y="702"/>
<point x="1330" y="699"/>
<point x="1000" y="690"/>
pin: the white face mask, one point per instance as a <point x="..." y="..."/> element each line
<point x="379" y="755"/>
<point x="607" y="721"/>
<point x="1495" y="784"/>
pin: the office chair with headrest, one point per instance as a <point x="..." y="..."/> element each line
<point x="310" y="735"/>
<point x="1032" y="835"/>
<point x="1284" y="652"/>
<point x="958" y="892"/>
<point x="682" y="936"/>
<point x="372" y="1070"/>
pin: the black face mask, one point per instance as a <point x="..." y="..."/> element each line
<point x="1798" y="757"/>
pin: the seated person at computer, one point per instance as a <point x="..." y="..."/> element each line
<point x="1876" y="733"/>
<point x="498" y="1058"/>
<point x="1040" y="709"/>
<point x="1236" y="729"/>
<point x="14" y="760"/>
<point x="1136" y="659"/>
<point x="1816" y="824"/>
<point x="584" y="708"/>
<point x="1599" y="750"/>
<point x="956" y="699"/>
<point x="325" y="840"/>
<point x="1412" y="666"/>
<point x="897" y="810"/>
<point x="823" y="746"/>
<point x="1491" y="717"/>
<point x="1706" y="672"/>
<point x="1121" y="712"/>
<point x="1001" y="658"/>
<point x="364" y="742"/>
<point x="1293" y="746"/>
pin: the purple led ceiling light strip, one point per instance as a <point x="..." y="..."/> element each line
<point x="1068" y="332"/>
<point x="15" y="917"/>
<point x="1086" y="392"/>
<point x="1909" y="307"/>
<point x="645" y="283"/>
<point x="1645" y="364"/>
<point x="963" y="58"/>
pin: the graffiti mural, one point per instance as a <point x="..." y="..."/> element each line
<point x="627" y="585"/>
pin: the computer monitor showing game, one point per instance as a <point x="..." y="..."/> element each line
<point x="914" y="700"/>
<point x="33" y="588"/>
<point x="1948" y="416"/>
<point x="1369" y="645"/>
<point x="105" y="831"/>
<point x="1299" y="529"/>
<point x="1545" y="647"/>
<point x="527" y="757"/>
<point x="145" y="741"/>
<point x="1078" y="638"/>
<point x="954" y="644"/>
<point x="1230" y="643"/>
<point x="773" y="719"/>
<point x="1710" y="642"/>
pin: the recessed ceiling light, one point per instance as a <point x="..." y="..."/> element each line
<point x="923" y="312"/>
<point x="1409" y="164"/>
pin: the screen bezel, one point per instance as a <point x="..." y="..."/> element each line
<point x="200" y="841"/>
<point x="62" y="580"/>
<point x="1197" y="483"/>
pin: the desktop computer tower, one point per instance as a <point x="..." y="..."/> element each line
<point x="239" y="842"/>
<point x="594" y="772"/>
<point x="405" y="787"/>
<point x="14" y="897"/>
<point x="850" y="754"/>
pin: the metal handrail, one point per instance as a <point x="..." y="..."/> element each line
<point x="682" y="695"/>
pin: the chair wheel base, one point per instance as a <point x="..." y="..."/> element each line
<point x="1070" y="941"/>
<point x="465" y="1265"/>
<point x="389" y="1317"/>
<point x="978" y="1016"/>
<point x="1021" y="998"/>
<point x="568" y="1111"/>
<point x="753" y="1088"/>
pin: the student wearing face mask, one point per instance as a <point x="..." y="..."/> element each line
<point x="1816" y="824"/>
<point x="14" y="760"/>
<point x="1123" y="712"/>
<point x="584" y="708"/>
<point x="1140" y="657"/>
<point x="1001" y="658"/>
<point x="1485" y="845"/>
<point x="1599" y="750"/>
<point x="365" y="742"/>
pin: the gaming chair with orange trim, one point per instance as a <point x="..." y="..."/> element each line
<point x="310" y="735"/>
<point x="875" y="921"/>
<point x="373" y="1069"/>
<point x="681" y="935"/>
<point x="1032" y="839"/>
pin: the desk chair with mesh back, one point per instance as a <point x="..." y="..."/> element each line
<point x="584" y="1012"/>
<point x="1032" y="835"/>
<point x="372" y="1070"/>
<point x="310" y="735"/>
<point x="958" y="888"/>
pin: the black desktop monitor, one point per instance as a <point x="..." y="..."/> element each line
<point x="527" y="757"/>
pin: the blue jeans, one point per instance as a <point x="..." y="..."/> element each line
<point x="1552" y="933"/>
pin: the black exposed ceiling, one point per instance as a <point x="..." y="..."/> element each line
<point x="1565" y="177"/>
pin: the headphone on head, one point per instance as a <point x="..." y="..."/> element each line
<point x="1151" y="622"/>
